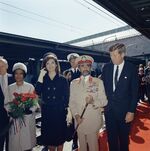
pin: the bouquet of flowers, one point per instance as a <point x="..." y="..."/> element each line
<point x="21" y="105"/>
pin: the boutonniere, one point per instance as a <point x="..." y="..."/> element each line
<point x="125" y="77"/>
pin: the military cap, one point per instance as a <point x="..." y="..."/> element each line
<point x="72" y="56"/>
<point x="84" y="59"/>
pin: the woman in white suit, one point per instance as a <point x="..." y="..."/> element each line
<point x="25" y="137"/>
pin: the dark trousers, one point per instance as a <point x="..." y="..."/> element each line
<point x="142" y="92"/>
<point x="75" y="138"/>
<point x="7" y="139"/>
<point x="148" y="92"/>
<point x="4" y="139"/>
<point x="117" y="131"/>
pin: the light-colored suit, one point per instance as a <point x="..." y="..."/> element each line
<point x="92" y="120"/>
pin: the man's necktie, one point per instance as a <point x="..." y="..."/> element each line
<point x="116" y="76"/>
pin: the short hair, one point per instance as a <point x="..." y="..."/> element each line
<point x="3" y="60"/>
<point x="118" y="46"/>
<point x="141" y="66"/>
<point x="48" y="57"/>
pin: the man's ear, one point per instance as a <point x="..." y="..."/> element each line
<point x="123" y="55"/>
<point x="6" y="66"/>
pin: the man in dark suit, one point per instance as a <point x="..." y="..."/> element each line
<point x="5" y="80"/>
<point x="73" y="72"/>
<point x="70" y="75"/>
<point x="121" y="85"/>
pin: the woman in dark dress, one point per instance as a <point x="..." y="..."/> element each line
<point x="54" y="90"/>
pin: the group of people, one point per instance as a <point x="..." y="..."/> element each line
<point x="18" y="137"/>
<point x="144" y="82"/>
<point x="78" y="97"/>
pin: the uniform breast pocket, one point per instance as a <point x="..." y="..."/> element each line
<point x="92" y="89"/>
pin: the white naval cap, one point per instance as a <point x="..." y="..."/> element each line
<point x="72" y="56"/>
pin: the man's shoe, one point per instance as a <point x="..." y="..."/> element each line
<point x="74" y="147"/>
<point x="45" y="148"/>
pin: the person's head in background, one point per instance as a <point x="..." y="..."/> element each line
<point x="3" y="66"/>
<point x="141" y="71"/>
<point x="148" y="64"/>
<point x="71" y="58"/>
<point x="51" y="64"/>
<point x="19" y="72"/>
<point x="141" y="66"/>
<point x="117" y="53"/>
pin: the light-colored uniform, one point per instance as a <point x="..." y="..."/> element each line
<point x="92" y="119"/>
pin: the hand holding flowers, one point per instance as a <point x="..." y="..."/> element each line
<point x="20" y="106"/>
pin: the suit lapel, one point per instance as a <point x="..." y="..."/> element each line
<point x="111" y="76"/>
<point x="122" y="74"/>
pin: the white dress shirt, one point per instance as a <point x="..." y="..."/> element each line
<point x="74" y="70"/>
<point x="4" y="84"/>
<point x="120" y="67"/>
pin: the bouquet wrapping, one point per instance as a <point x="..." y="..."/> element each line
<point x="19" y="107"/>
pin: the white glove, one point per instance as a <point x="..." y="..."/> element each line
<point x="69" y="117"/>
<point x="101" y="109"/>
<point x="42" y="74"/>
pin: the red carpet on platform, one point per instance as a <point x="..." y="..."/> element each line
<point x="140" y="131"/>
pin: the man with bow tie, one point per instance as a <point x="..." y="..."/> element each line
<point x="120" y="79"/>
<point x="87" y="91"/>
<point x="5" y="80"/>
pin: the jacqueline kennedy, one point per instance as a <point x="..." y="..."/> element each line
<point x="54" y="91"/>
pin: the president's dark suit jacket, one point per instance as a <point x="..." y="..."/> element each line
<point x="124" y="98"/>
<point x="3" y="114"/>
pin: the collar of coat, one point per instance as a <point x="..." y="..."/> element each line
<point x="90" y="79"/>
